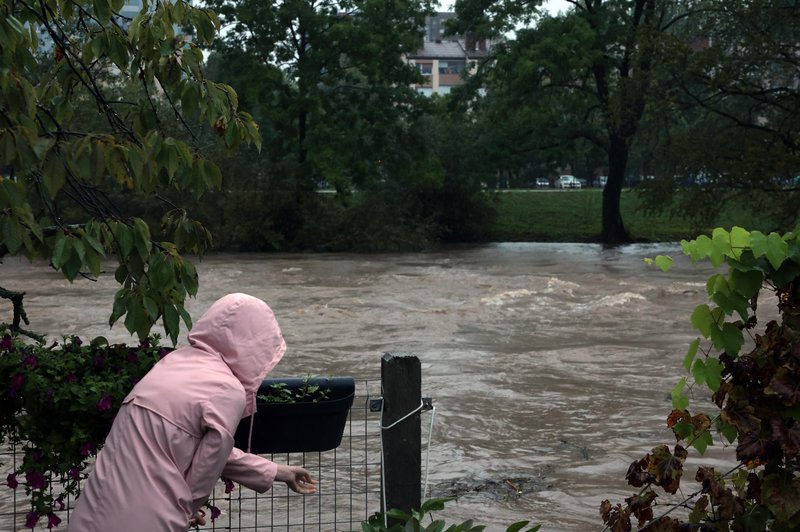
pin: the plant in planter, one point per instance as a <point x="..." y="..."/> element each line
<point x="288" y="406"/>
<point x="310" y="390"/>
<point x="58" y="403"/>
<point x="755" y="395"/>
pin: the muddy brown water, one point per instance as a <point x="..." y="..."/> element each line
<point x="550" y="365"/>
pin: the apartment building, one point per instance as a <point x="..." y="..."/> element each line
<point x="442" y="60"/>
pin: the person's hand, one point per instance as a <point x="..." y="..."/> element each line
<point x="199" y="519"/>
<point x="298" y="479"/>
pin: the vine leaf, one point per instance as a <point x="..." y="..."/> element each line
<point x="781" y="494"/>
<point x="664" y="262"/>
<point x="740" y="240"/>
<point x="667" y="468"/>
<point x="773" y="246"/>
<point x="704" y="319"/>
<point x="690" y="354"/>
<point x="680" y="401"/>
<point x="747" y="283"/>
<point x="708" y="372"/>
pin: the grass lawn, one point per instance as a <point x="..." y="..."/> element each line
<point x="575" y="216"/>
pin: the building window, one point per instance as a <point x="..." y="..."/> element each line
<point x="426" y="69"/>
<point x="451" y="67"/>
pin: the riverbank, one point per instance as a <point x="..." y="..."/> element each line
<point x="575" y="216"/>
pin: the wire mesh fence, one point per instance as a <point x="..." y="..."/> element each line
<point x="348" y="485"/>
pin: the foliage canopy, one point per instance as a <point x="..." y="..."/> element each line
<point x="61" y="61"/>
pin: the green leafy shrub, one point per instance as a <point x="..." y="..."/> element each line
<point x="58" y="403"/>
<point x="412" y="522"/>
<point x="755" y="395"/>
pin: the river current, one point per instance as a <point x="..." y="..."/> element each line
<point x="550" y="365"/>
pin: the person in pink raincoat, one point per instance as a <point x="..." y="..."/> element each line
<point x="173" y="436"/>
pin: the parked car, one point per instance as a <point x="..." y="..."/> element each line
<point x="601" y="181"/>
<point x="542" y="182"/>
<point x="567" y="181"/>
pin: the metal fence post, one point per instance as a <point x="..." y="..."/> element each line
<point x="401" y="381"/>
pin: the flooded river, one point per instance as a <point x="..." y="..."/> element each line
<point x="550" y="364"/>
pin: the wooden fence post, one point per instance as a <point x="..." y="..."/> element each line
<point x="401" y="381"/>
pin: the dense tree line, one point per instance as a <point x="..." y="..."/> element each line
<point x="337" y="152"/>
<point x="700" y="95"/>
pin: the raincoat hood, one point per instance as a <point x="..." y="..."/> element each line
<point x="243" y="331"/>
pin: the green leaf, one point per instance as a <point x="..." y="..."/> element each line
<point x="732" y="339"/>
<point x="713" y="373"/>
<point x="787" y="273"/>
<point x="142" y="240"/>
<point x="171" y="322"/>
<point x="683" y="429"/>
<point x="161" y="272"/>
<point x="151" y="307"/>
<point x="12" y="235"/>
<point x="747" y="283"/>
<point x="691" y="354"/>
<point x="730" y="432"/>
<point x="731" y="302"/>
<point x="102" y="10"/>
<point x="124" y="239"/>
<point x="777" y="250"/>
<point x="703" y="320"/>
<point x="54" y="175"/>
<point x="187" y="319"/>
<point x="664" y="262"/>
<point x="94" y="244"/>
<point x="59" y="256"/>
<point x="699" y="371"/>
<point x="72" y="266"/>
<point x="721" y="246"/>
<point x="680" y="401"/>
<point x="120" y="305"/>
<point x="739" y="240"/>
<point x="92" y="260"/>
<point x="703" y="441"/>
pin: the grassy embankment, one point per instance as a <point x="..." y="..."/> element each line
<point x="575" y="216"/>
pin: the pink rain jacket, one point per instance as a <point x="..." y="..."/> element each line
<point x="173" y="436"/>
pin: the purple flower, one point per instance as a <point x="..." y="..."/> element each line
<point x="228" y="485"/>
<point x="99" y="360"/>
<point x="72" y="378"/>
<point x="60" y="503"/>
<point x="29" y="360"/>
<point x="53" y="520"/>
<point x="31" y="519"/>
<point x="86" y="448"/>
<point x="163" y="352"/>
<point x="11" y="481"/>
<point x="77" y="340"/>
<point x="16" y="384"/>
<point x="104" y="404"/>
<point x="5" y="343"/>
<point x="35" y="480"/>
<point x="75" y="473"/>
<point x="215" y="512"/>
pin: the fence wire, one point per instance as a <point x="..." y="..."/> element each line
<point x="348" y="485"/>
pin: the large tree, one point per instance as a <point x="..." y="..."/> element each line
<point x="738" y="137"/>
<point x="327" y="81"/>
<point x="63" y="62"/>
<point x="583" y="74"/>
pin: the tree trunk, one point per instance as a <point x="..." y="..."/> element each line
<point x="613" y="232"/>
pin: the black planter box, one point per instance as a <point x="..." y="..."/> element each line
<point x="300" y="426"/>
